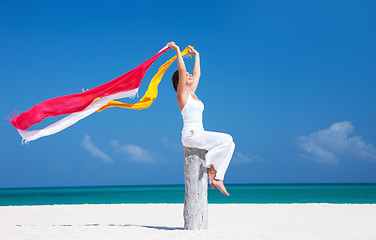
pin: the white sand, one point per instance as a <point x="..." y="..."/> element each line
<point x="165" y="221"/>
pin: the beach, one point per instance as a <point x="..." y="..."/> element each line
<point x="165" y="221"/>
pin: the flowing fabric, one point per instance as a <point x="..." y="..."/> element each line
<point x="152" y="91"/>
<point x="80" y="105"/>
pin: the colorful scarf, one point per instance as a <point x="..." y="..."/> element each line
<point x="151" y="92"/>
<point x="81" y="105"/>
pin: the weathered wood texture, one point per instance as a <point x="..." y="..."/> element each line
<point x="196" y="190"/>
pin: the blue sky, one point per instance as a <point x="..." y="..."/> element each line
<point x="292" y="81"/>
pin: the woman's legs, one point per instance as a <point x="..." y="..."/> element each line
<point x="220" y="147"/>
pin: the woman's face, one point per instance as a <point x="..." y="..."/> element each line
<point x="189" y="78"/>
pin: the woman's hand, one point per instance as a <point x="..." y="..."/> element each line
<point x="192" y="51"/>
<point x="172" y="45"/>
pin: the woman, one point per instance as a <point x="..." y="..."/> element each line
<point x="220" y="146"/>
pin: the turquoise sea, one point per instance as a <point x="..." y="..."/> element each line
<point x="240" y="193"/>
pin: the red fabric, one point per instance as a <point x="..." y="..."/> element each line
<point x="77" y="102"/>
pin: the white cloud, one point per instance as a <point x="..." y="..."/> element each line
<point x="240" y="157"/>
<point x="172" y="145"/>
<point x="95" y="152"/>
<point x="329" y="145"/>
<point x="136" y="153"/>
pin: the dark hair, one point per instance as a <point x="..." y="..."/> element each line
<point x="175" y="80"/>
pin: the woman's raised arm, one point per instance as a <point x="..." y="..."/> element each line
<point x="196" y="69"/>
<point x="182" y="70"/>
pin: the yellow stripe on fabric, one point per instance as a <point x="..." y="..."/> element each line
<point x="152" y="91"/>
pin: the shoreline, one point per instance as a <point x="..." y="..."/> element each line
<point x="161" y="221"/>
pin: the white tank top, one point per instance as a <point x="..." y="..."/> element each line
<point x="192" y="114"/>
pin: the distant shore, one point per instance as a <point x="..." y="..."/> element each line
<point x="165" y="221"/>
<point x="240" y="194"/>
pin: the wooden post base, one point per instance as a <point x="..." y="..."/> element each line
<point x="196" y="190"/>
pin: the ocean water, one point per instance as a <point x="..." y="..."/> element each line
<point x="240" y="193"/>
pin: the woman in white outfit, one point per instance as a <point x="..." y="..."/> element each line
<point x="220" y="146"/>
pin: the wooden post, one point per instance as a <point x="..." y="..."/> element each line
<point x="196" y="190"/>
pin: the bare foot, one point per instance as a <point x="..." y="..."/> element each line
<point x="211" y="173"/>
<point x="219" y="184"/>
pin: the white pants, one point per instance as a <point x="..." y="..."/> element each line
<point x="220" y="147"/>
